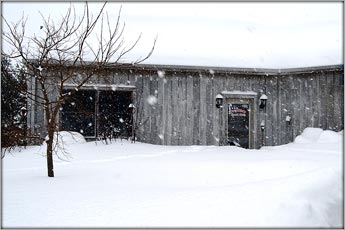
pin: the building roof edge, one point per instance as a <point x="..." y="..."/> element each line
<point x="211" y="69"/>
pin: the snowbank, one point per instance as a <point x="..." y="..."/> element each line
<point x="63" y="140"/>
<point x="317" y="135"/>
<point x="122" y="184"/>
<point x="328" y="136"/>
<point x="67" y="138"/>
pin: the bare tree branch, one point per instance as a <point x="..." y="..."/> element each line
<point x="61" y="48"/>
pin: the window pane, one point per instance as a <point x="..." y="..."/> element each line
<point x="78" y="112"/>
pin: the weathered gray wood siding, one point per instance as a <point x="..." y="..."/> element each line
<point x="186" y="114"/>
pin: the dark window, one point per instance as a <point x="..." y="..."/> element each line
<point x="110" y="116"/>
<point x="78" y="112"/>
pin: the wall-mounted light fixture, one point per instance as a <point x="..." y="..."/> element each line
<point x="219" y="101"/>
<point x="263" y="100"/>
<point x="262" y="125"/>
<point x="131" y="106"/>
<point x="288" y="119"/>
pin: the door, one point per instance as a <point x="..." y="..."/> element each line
<point x="238" y="124"/>
<point x="113" y="114"/>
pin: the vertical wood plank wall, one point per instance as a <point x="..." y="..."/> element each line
<point x="186" y="114"/>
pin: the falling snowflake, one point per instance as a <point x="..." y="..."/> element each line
<point x="152" y="100"/>
<point x="211" y="71"/>
<point x="160" y="73"/>
<point x="121" y="120"/>
<point x="161" y="136"/>
<point x="251" y="28"/>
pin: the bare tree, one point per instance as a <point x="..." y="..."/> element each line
<point x="88" y="44"/>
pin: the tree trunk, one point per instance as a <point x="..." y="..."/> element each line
<point x="49" y="142"/>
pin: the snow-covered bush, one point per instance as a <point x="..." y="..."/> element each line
<point x="309" y="135"/>
<point x="317" y="135"/>
<point x="329" y="136"/>
<point x="67" y="138"/>
<point x="61" y="141"/>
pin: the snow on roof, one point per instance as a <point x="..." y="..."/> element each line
<point x="102" y="86"/>
<point x="237" y="92"/>
<point x="213" y="69"/>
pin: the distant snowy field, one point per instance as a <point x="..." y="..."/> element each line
<point x="142" y="185"/>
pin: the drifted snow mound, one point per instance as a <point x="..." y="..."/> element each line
<point x="62" y="141"/>
<point x="329" y="136"/>
<point x="67" y="138"/>
<point x="317" y="135"/>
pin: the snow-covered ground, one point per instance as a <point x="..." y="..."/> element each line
<point x="142" y="185"/>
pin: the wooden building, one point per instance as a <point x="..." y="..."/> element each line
<point x="185" y="105"/>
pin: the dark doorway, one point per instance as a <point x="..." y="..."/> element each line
<point x="113" y="114"/>
<point x="238" y="124"/>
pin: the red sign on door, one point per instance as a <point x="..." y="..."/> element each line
<point x="238" y="110"/>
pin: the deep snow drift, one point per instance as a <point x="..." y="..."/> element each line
<point x="142" y="185"/>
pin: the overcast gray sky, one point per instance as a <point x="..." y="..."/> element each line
<point x="233" y="34"/>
